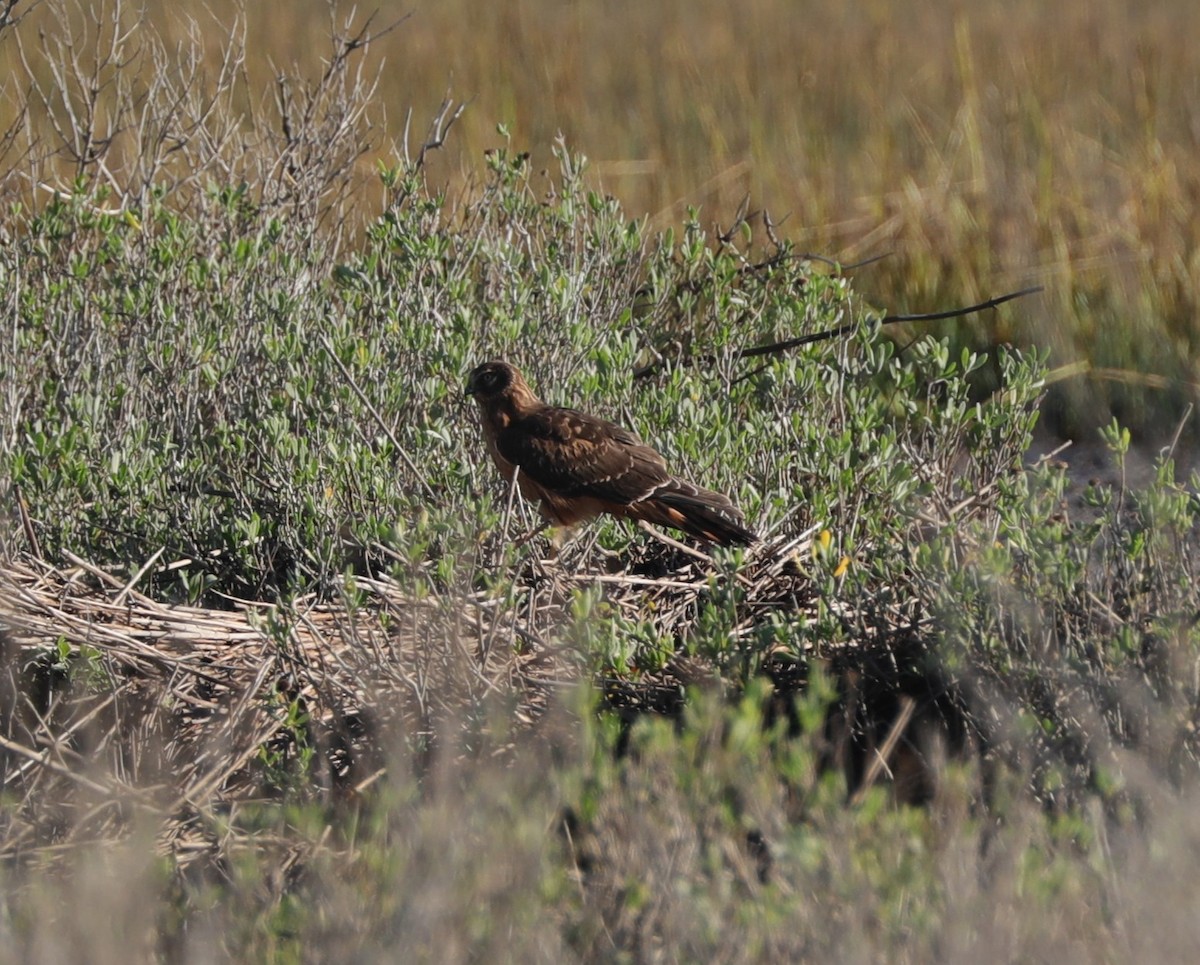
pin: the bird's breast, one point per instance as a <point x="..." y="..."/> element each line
<point x="489" y="437"/>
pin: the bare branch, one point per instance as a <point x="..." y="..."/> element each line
<point x="8" y="12"/>
<point x="774" y="348"/>
<point x="440" y="127"/>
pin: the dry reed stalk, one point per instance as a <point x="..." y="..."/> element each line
<point x="182" y="710"/>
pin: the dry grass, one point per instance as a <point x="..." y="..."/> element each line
<point x="482" y="834"/>
<point x="117" y="701"/>
<point x="986" y="148"/>
<point x="179" y="712"/>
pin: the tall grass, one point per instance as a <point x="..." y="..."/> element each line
<point x="983" y="146"/>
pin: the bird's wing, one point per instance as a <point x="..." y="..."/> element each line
<point x="575" y="455"/>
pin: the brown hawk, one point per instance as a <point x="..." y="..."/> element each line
<point x="578" y="466"/>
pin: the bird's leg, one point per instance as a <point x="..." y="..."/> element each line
<point x="581" y="545"/>
<point x="560" y="538"/>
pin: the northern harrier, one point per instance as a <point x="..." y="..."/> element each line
<point x="578" y="466"/>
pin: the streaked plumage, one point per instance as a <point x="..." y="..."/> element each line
<point x="578" y="466"/>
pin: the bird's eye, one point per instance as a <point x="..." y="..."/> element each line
<point x="489" y="380"/>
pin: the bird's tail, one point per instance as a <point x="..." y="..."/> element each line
<point x="698" y="512"/>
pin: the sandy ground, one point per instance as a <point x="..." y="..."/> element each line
<point x="1089" y="461"/>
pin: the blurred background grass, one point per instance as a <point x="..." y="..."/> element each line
<point x="985" y="146"/>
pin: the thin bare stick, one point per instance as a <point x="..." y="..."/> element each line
<point x="674" y="543"/>
<point x="791" y="343"/>
<point x="43" y="759"/>
<point x="883" y="754"/>
<point x="27" y="523"/>
<point x="137" y="576"/>
<point x="362" y="397"/>
<point x="440" y="127"/>
<point x="774" y="348"/>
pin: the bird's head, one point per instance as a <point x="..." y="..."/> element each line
<point x="492" y="380"/>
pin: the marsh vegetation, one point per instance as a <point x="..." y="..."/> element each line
<point x="273" y="658"/>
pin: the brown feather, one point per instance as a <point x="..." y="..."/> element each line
<point x="577" y="465"/>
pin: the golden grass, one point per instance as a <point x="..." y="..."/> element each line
<point x="986" y="146"/>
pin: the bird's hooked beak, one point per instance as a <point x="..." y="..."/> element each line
<point x="470" y="389"/>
